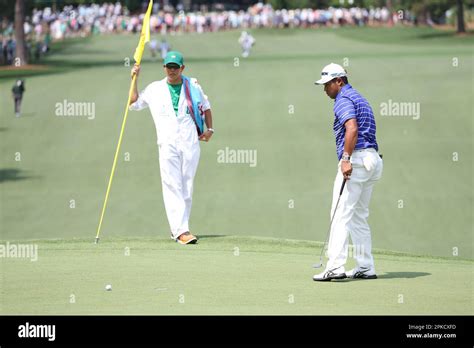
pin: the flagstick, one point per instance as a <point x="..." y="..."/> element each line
<point x="115" y="159"/>
<point x="144" y="38"/>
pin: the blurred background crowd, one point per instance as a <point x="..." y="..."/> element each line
<point x="51" y="23"/>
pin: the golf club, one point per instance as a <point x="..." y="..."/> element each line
<point x="319" y="265"/>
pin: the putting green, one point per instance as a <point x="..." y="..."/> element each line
<point x="223" y="275"/>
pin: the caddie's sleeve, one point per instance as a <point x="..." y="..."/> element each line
<point x="141" y="103"/>
<point x="206" y="105"/>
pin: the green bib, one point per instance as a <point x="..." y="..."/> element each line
<point x="175" y="91"/>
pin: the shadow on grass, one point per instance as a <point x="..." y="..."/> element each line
<point x="392" y="275"/>
<point x="209" y="236"/>
<point x="405" y="35"/>
<point x="65" y="45"/>
<point x="436" y="35"/>
<point x="80" y="50"/>
<point x="58" y="66"/>
<point x="3" y="129"/>
<point x="445" y="34"/>
<point x="50" y="65"/>
<point x="387" y="275"/>
<point x="13" y="175"/>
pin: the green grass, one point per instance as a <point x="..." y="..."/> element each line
<point x="70" y="158"/>
<point x="408" y="36"/>
<point x="223" y="275"/>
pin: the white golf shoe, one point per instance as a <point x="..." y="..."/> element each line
<point x="361" y="273"/>
<point x="328" y="275"/>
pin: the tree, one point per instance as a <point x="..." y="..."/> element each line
<point x="460" y="12"/>
<point x="20" y="33"/>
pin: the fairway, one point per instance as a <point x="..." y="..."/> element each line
<point x="54" y="171"/>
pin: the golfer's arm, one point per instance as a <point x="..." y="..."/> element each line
<point x="208" y="118"/>
<point x="350" y="138"/>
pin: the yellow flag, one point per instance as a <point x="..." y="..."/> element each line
<point x="144" y="36"/>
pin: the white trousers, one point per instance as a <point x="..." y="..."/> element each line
<point x="353" y="211"/>
<point x="178" y="167"/>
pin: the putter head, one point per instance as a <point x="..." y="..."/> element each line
<point x="318" y="265"/>
<point x="96" y="240"/>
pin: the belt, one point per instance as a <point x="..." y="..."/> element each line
<point x="369" y="149"/>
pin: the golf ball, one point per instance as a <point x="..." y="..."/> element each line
<point x="108" y="287"/>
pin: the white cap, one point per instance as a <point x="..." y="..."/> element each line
<point x="330" y="72"/>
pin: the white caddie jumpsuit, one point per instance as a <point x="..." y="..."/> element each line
<point x="179" y="149"/>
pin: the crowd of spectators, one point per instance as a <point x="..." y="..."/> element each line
<point x="45" y="25"/>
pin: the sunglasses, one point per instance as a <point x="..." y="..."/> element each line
<point x="172" y="66"/>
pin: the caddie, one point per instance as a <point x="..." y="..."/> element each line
<point x="179" y="109"/>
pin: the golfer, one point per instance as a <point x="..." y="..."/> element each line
<point x="179" y="108"/>
<point x="17" y="93"/>
<point x="246" y="41"/>
<point x="361" y="166"/>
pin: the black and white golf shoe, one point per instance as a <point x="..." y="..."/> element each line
<point x="361" y="273"/>
<point x="328" y="275"/>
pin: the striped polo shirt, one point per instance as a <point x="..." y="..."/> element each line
<point x="350" y="104"/>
